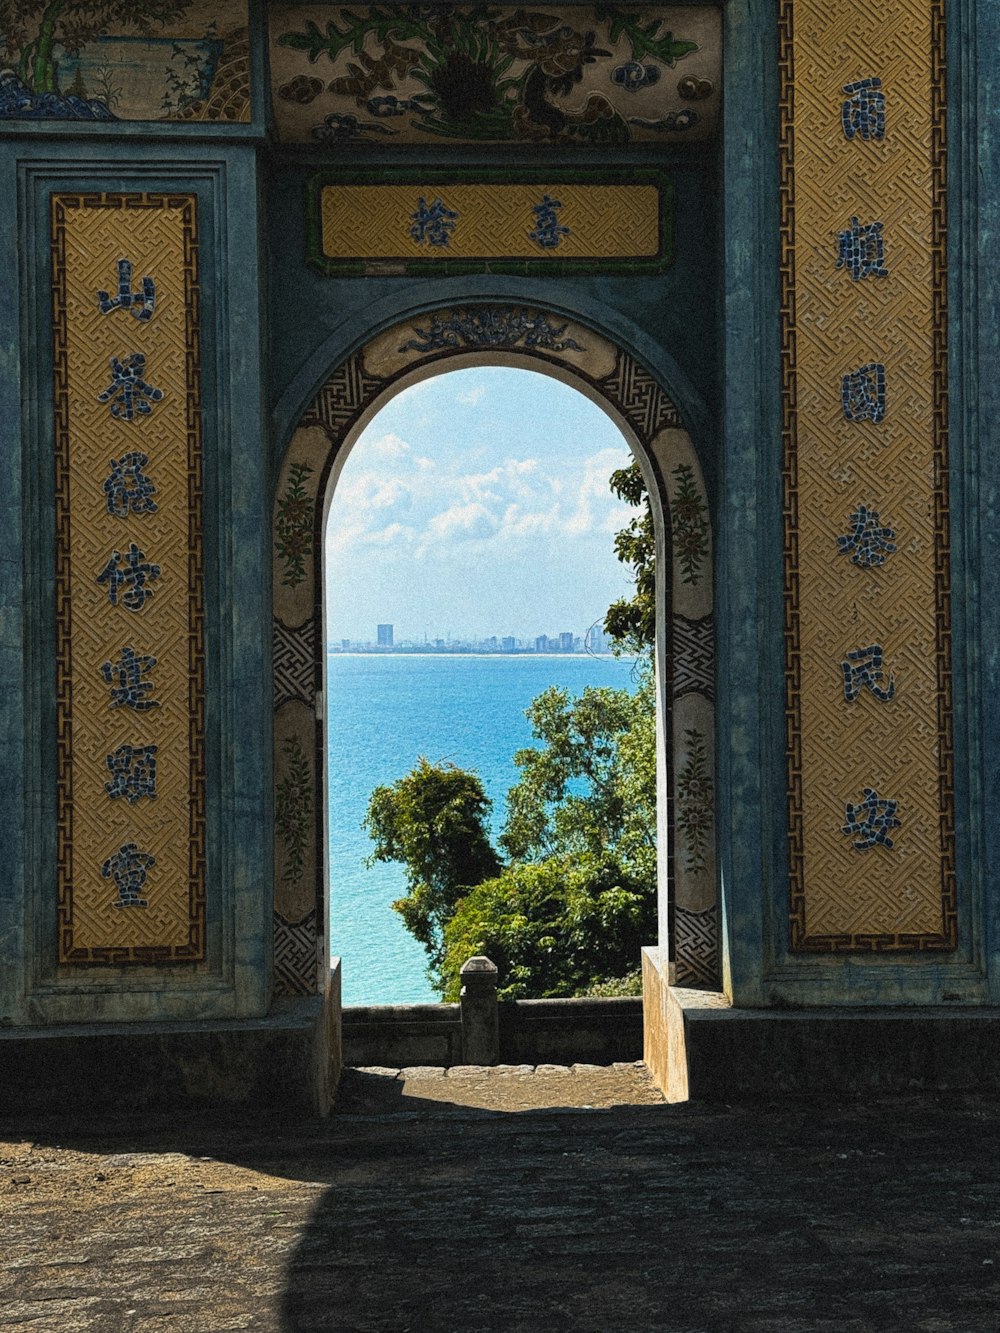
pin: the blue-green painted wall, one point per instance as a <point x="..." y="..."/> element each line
<point x="708" y="328"/>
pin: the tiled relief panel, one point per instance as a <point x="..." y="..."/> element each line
<point x="129" y="613"/>
<point x="865" y="487"/>
<point x="175" y="60"/>
<point x="460" y="74"/>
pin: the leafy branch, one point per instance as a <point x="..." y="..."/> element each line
<point x="294" y="526"/>
<point x="383" y="24"/>
<point x="645" y="40"/>
<point x="293" y="809"/>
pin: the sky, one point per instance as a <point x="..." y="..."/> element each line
<point x="477" y="503"/>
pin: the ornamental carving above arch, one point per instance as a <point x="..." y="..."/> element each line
<point x="439" y="340"/>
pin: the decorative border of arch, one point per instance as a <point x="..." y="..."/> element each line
<point x="301" y="930"/>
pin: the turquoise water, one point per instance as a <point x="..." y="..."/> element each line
<point x="385" y="711"/>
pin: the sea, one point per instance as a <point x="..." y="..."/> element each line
<point x="385" y="711"/>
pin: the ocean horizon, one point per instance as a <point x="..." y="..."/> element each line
<point x="448" y="652"/>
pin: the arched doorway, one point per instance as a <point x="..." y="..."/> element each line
<point x="408" y="351"/>
<point x="469" y="558"/>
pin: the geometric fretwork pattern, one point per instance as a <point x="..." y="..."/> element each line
<point x="129" y="615"/>
<point x="696" y="942"/>
<point x="341" y="397"/>
<point x="693" y="656"/>
<point x="640" y="397"/>
<point x="294" y="653"/>
<point x="864" y="347"/>
<point x="295" y="955"/>
<point x="352" y="391"/>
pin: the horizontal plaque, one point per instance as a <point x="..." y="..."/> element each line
<point x="444" y="222"/>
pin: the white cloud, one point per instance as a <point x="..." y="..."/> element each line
<point x="593" y="497"/>
<point x="519" y="523"/>
<point x="396" y="534"/>
<point x="511" y="477"/>
<point x="473" y="500"/>
<point x="343" y="536"/>
<point x="359" y="495"/>
<point x="522" y="506"/>
<point x="387" y="446"/>
<point x="463" y="522"/>
<point x="619" y="517"/>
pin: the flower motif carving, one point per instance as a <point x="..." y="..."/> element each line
<point x="294" y="525"/>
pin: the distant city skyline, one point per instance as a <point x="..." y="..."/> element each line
<point x="477" y="503"/>
<point x="593" y="639"/>
<point x="388" y="632"/>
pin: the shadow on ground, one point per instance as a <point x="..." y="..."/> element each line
<point x="399" y="1213"/>
<point x="791" y="1218"/>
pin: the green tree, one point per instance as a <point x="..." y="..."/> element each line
<point x="433" y="821"/>
<point x="577" y="898"/>
<point x="557" y="927"/>
<point x="631" y="621"/>
<point x="591" y="786"/>
<point x="33" y="28"/>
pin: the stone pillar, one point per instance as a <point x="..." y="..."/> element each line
<point x="480" y="1026"/>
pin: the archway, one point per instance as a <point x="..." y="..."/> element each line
<point x="411" y="350"/>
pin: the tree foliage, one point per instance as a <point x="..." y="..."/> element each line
<point x="33" y="29"/>
<point x="631" y="622"/>
<point x="590" y="787"/>
<point x="577" y="896"/>
<point x="433" y="821"/>
<point x="556" y="927"/>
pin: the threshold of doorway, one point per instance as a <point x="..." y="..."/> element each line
<point x="494" y="1089"/>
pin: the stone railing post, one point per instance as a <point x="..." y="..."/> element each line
<point x="480" y="1023"/>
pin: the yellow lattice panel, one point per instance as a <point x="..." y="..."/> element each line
<point x="863" y="281"/>
<point x="129" y="613"/>
<point x="483" y="221"/>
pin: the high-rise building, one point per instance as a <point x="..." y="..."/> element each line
<point x="385" y="636"/>
<point x="596" y="640"/>
<point x="566" y="641"/>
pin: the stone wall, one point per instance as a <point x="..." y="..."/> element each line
<point x="598" y="1031"/>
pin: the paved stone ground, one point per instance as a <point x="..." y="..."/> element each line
<point x="498" y="1088"/>
<point x="495" y="1201"/>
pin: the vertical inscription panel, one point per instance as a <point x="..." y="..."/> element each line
<point x="129" y="609"/>
<point x="868" y="698"/>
